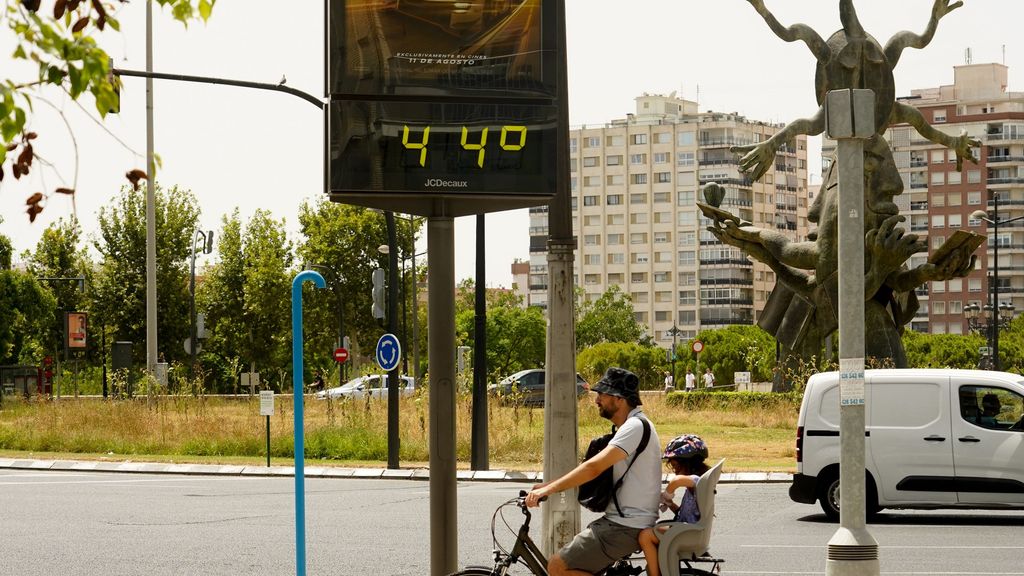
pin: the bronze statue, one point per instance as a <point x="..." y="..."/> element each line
<point x="802" y="309"/>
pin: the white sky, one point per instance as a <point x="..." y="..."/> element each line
<point x="253" y="149"/>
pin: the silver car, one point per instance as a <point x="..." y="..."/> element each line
<point x="374" y="385"/>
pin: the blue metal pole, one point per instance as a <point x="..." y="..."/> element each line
<point x="297" y="389"/>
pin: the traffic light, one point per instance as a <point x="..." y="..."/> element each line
<point x="378" y="293"/>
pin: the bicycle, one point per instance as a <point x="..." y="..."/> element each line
<point x="526" y="552"/>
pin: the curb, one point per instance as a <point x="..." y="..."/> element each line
<point x="324" y="471"/>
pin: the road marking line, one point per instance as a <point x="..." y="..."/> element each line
<point x="118" y="481"/>
<point x="882" y="546"/>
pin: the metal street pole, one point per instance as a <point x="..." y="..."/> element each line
<point x="393" y="436"/>
<point x="561" y="513"/>
<point x="850" y="120"/>
<point x="478" y="438"/>
<point x="151" y="302"/>
<point x="995" y="284"/>
<point x="444" y="520"/>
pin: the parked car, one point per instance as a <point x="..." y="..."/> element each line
<point x="935" y="439"/>
<point x="526" y="387"/>
<point x="374" y="385"/>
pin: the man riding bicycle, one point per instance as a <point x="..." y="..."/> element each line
<point x="615" y="534"/>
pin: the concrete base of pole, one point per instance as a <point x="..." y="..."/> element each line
<point x="852" y="553"/>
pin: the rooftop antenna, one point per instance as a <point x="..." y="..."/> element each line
<point x="1004" y="54"/>
<point x="967" y="57"/>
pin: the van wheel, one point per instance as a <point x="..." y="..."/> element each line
<point x="829" y="498"/>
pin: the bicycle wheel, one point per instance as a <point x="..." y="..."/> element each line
<point x="478" y="571"/>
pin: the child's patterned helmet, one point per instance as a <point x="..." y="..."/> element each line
<point x="687" y="447"/>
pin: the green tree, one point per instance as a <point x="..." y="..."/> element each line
<point x="647" y="362"/>
<point x="516" y="335"/>
<point x="27" y="311"/>
<point x="610" y="318"/>
<point x="942" y="350"/>
<point x="120" y="284"/>
<point x="61" y="254"/>
<point x="57" y="40"/>
<point x="344" y="240"/>
<point x="732" y="349"/>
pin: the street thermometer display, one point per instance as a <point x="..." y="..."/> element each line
<point x="442" y="101"/>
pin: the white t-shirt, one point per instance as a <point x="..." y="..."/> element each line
<point x="691" y="380"/>
<point x="668" y="380"/>
<point x="640" y="492"/>
<point x="709" y="379"/>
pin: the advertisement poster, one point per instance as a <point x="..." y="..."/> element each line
<point x="441" y="48"/>
<point x="77" y="323"/>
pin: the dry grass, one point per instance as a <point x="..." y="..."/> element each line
<point x="354" y="433"/>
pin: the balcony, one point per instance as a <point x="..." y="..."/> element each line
<point x="1006" y="180"/>
<point x="726" y="262"/>
<point x="919" y="205"/>
<point x="918" y="163"/>
<point x="918" y="185"/>
<point x="997" y="159"/>
<point x="718" y="162"/>
<point x="726" y="281"/>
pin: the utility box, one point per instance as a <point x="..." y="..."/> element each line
<point x="121" y="361"/>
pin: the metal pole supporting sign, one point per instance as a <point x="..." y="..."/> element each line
<point x="297" y="389"/>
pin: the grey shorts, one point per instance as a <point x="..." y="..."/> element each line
<point x="599" y="545"/>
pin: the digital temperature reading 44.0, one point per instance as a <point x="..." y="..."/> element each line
<point x="408" y="149"/>
<point x="480" y="146"/>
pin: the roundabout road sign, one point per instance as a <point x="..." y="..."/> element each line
<point x="697" y="346"/>
<point x="389" y="352"/>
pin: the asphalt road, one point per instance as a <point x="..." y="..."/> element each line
<point x="101" y="524"/>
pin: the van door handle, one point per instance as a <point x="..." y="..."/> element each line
<point x="934" y="438"/>
<point x="970" y="439"/>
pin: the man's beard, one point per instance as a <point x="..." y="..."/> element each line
<point x="604" y="412"/>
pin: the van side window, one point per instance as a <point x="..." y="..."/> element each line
<point x="992" y="408"/>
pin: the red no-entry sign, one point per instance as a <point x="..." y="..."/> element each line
<point x="340" y="354"/>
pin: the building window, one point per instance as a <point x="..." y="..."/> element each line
<point x="591" y="279"/>
<point x="615" y="179"/>
<point x="955" y="285"/>
<point x="638" y="178"/>
<point x="662" y="217"/>
<point x="685" y="198"/>
<point x="640" y="258"/>
<point x="638" y="238"/>
<point x="938" y="178"/>
<point x="687" y="317"/>
<point x="954" y="177"/>
<point x="687" y="258"/>
<point x="613" y="199"/>
<point x="938" y="156"/>
<point x="663" y="258"/>
<point x="615" y="140"/>
<point x="640" y="297"/>
<point x="616" y="239"/>
<point x="662" y="197"/>
<point x="640" y="198"/>
<point x="617" y="258"/>
<point x="592" y="259"/>
<point x="590" y="200"/>
<point x="974" y="284"/>
<point x="638" y="218"/>
<point x="591" y="181"/>
<point x="591" y="142"/>
<point x="973" y="198"/>
<point x="661" y="157"/>
<point x="616" y="278"/>
<point x="955" y="220"/>
<point x="662" y="237"/>
<point x="638" y="277"/>
<point x="592" y="220"/>
<point x="938" y="221"/>
<point x="638" y="159"/>
<point x="591" y="161"/>
<point x="938" y="116"/>
<point x="663" y="177"/>
<point x="687" y="297"/>
<point x="974" y="176"/>
<point x="685" y="138"/>
<point x="615" y="160"/>
<point x="687" y="218"/>
<point x="687" y="279"/>
<point x="939" y="308"/>
<point x="663" y="138"/>
<point x="592" y="240"/>
<point x="685" y="159"/>
<point x="687" y="238"/>
<point x="639" y="139"/>
<point x="616" y="219"/>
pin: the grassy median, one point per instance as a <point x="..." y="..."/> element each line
<point x="754" y="432"/>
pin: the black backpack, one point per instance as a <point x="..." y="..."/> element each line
<point x="595" y="494"/>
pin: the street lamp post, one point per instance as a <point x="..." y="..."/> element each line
<point x="994" y="306"/>
<point x="980" y="320"/>
<point x="674" y="331"/>
<point x="206" y="246"/>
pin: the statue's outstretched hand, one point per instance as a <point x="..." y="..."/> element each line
<point x="964" y="146"/>
<point x="756" y="159"/>
<point x="890" y="246"/>
<point x="943" y="7"/>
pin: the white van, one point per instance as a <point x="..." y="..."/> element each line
<point x="935" y="439"/>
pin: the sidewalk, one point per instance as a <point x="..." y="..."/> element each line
<point x="322" y="471"/>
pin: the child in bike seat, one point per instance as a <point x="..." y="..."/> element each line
<point x="685" y="455"/>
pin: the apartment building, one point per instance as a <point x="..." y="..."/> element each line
<point x="937" y="200"/>
<point x="635" y="184"/>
